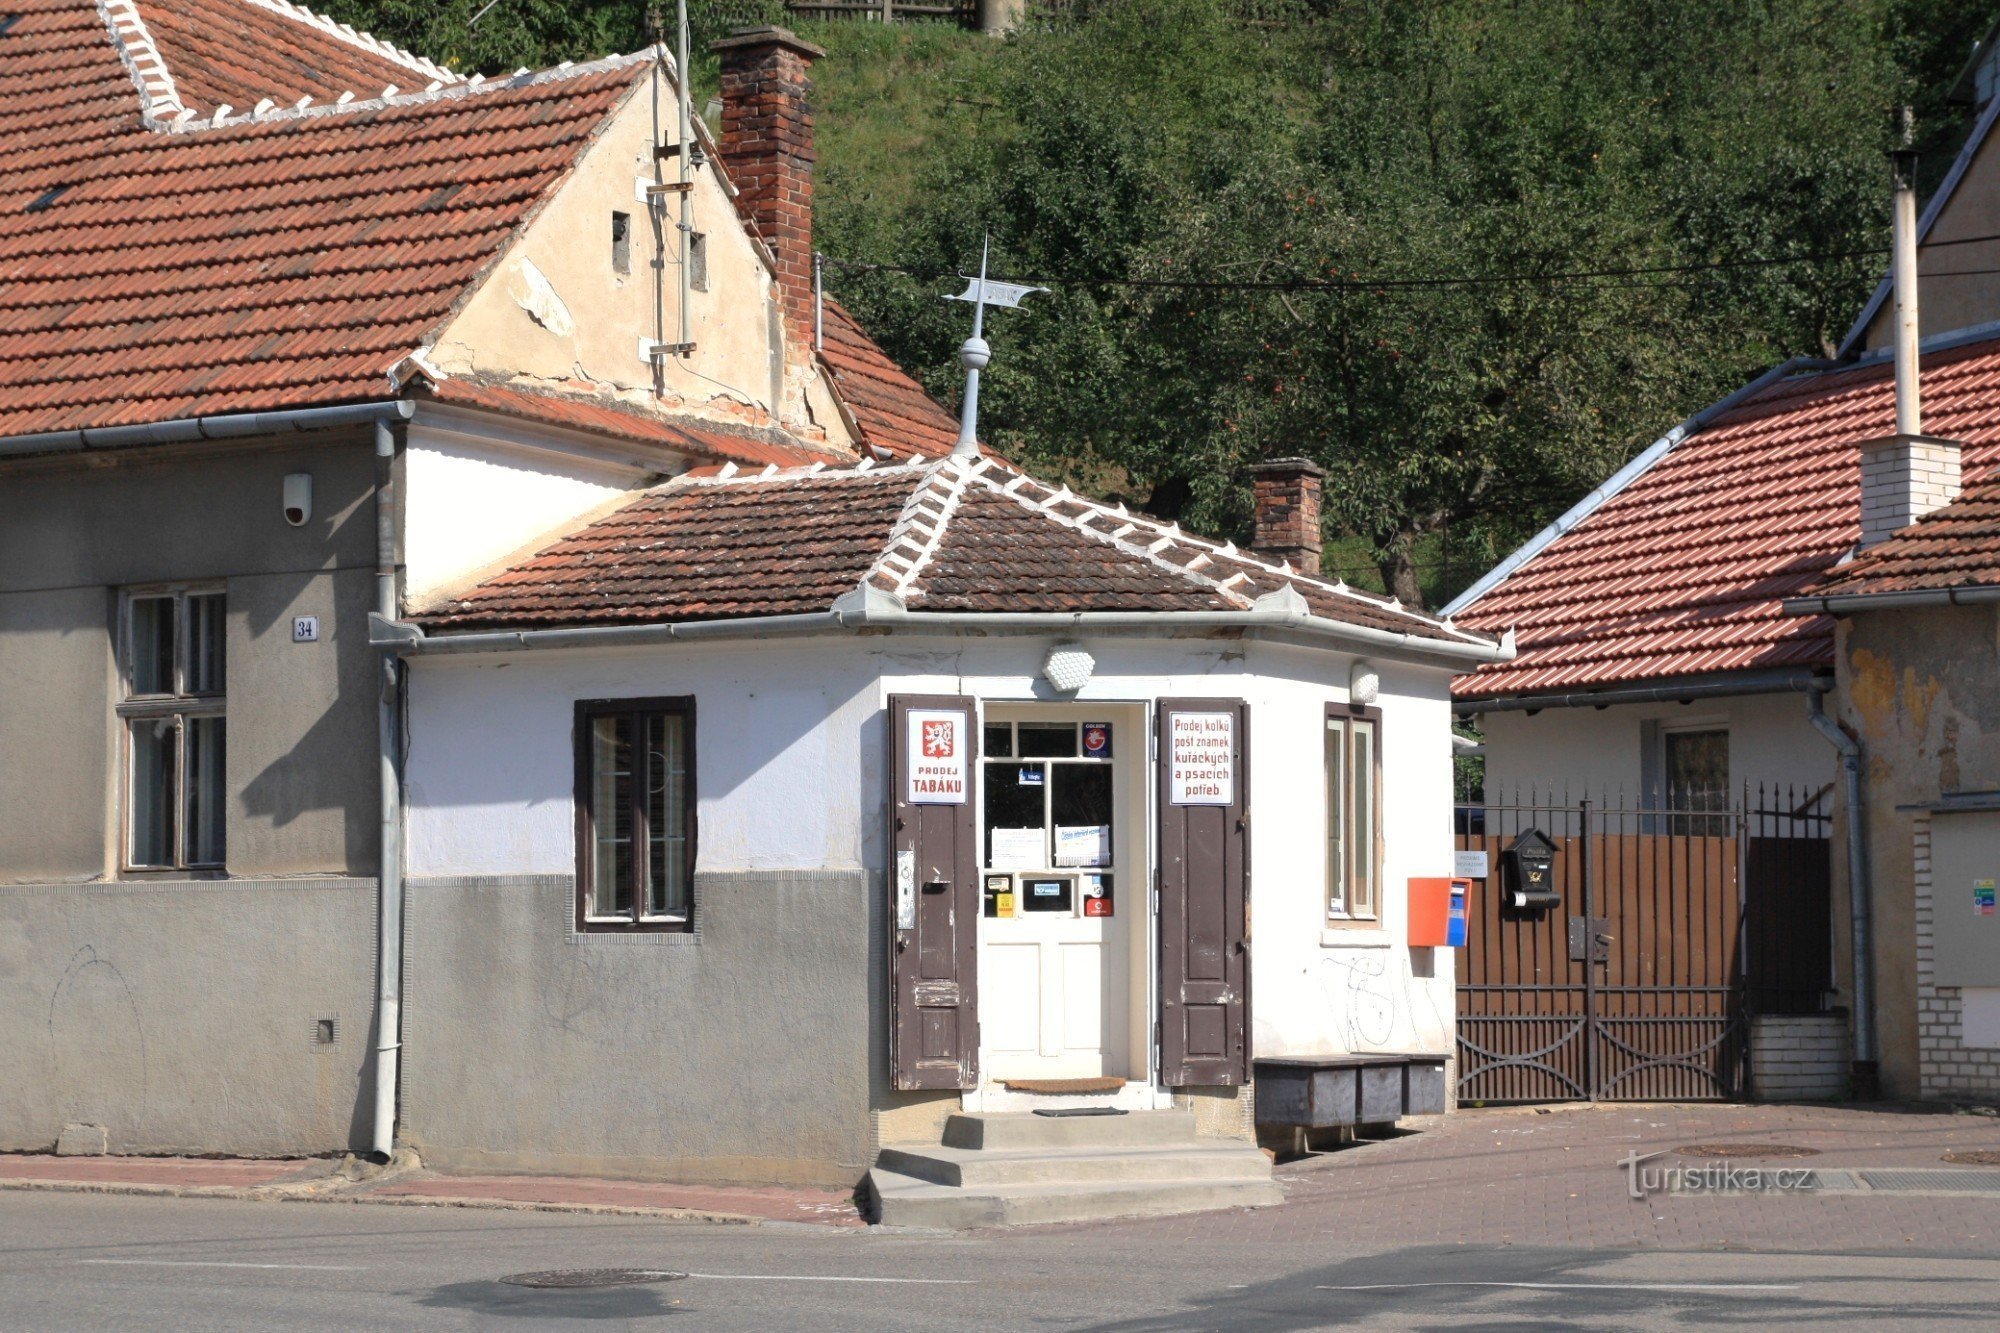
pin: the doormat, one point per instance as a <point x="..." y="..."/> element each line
<point x="1060" y="1086"/>
<point x="1056" y="1111"/>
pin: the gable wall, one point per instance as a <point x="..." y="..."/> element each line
<point x="1949" y="295"/>
<point x="555" y="314"/>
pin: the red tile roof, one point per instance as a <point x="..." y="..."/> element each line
<point x="1683" y="572"/>
<point x="1957" y="546"/>
<point x="700" y="439"/>
<point x="288" y="261"/>
<point x="241" y="51"/>
<point x="890" y="409"/>
<point x="942" y="536"/>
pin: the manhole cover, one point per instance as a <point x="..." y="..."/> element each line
<point x="591" y="1277"/>
<point x="1746" y="1150"/>
<point x="1974" y="1156"/>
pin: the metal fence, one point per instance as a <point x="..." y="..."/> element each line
<point x="1671" y="929"/>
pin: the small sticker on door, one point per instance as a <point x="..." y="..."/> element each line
<point x="1983" y="903"/>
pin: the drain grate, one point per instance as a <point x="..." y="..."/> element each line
<point x="1745" y="1150"/>
<point x="591" y="1277"/>
<point x="1987" y="1182"/>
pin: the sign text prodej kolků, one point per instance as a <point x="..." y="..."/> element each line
<point x="1201" y="748"/>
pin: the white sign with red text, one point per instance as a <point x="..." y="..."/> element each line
<point x="1201" y="753"/>
<point x="936" y="763"/>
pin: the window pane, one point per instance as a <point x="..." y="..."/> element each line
<point x="205" y="641"/>
<point x="1697" y="764"/>
<point x="1081" y="794"/>
<point x="152" y="645"/>
<point x="611" y="816"/>
<point x="666" y="815"/>
<point x="1336" y="818"/>
<point x="205" y="748"/>
<point x="1011" y="802"/>
<point x="999" y="743"/>
<point x="1048" y="740"/>
<point x="152" y="797"/>
<point x="1363" y="785"/>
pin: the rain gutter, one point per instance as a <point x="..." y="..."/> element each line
<point x="883" y="612"/>
<point x="184" y="430"/>
<point x="1838" y="604"/>
<point x="1714" y="687"/>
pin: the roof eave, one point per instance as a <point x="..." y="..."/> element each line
<point x="1712" y="685"/>
<point x="882" y="613"/>
<point x="1838" y="604"/>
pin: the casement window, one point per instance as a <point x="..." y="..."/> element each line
<point x="1695" y="762"/>
<point x="172" y="715"/>
<point x="1353" y="812"/>
<point x="635" y="814"/>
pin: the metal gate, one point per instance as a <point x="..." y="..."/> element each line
<point x="1673" y="926"/>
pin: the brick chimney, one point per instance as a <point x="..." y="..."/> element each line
<point x="767" y="147"/>
<point x="1288" y="512"/>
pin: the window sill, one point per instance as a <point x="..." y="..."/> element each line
<point x="1359" y="935"/>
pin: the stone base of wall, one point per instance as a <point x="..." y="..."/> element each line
<point x="1948" y="1069"/>
<point x="1799" y="1057"/>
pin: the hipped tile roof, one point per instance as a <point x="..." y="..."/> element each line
<point x="949" y="535"/>
<point x="1684" y="571"/>
<point x="1957" y="546"/>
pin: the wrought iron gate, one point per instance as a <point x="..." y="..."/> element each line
<point x="1672" y="927"/>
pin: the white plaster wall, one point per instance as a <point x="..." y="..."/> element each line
<point x="791" y="749"/>
<point x="473" y="499"/>
<point x="1598" y="752"/>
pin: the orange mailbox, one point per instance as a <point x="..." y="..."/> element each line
<point x="1437" y="912"/>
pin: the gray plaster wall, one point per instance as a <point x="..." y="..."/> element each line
<point x="74" y="531"/>
<point x="1922" y="690"/>
<point x="745" y="1052"/>
<point x="183" y="1015"/>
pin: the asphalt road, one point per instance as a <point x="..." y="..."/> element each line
<point x="97" y="1262"/>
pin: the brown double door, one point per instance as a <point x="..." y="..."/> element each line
<point x="1201" y="883"/>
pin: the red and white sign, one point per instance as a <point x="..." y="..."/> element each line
<point x="936" y="762"/>
<point x="1201" y="753"/>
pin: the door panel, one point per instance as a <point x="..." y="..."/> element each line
<point x="1204" y="875"/>
<point x="933" y="892"/>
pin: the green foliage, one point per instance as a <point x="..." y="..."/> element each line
<point x="1178" y="141"/>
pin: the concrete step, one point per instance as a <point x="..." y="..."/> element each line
<point x="1201" y="1159"/>
<point x="907" y="1201"/>
<point x="1024" y="1130"/>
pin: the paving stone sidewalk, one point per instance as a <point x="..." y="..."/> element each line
<point x="1551" y="1178"/>
<point x="315" y="1180"/>
<point x="1516" y="1176"/>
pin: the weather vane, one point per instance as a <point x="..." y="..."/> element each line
<point x="975" y="354"/>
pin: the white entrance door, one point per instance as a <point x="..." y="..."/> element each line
<point x="1062" y="890"/>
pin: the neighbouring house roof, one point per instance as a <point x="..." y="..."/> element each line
<point x="1956" y="546"/>
<point x="889" y="409"/>
<point x="950" y="535"/>
<point x="180" y="237"/>
<point x="682" y="435"/>
<point x="1683" y="571"/>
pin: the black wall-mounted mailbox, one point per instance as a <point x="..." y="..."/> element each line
<point x="1530" y="868"/>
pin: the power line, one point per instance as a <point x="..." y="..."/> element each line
<point x="1597" y="276"/>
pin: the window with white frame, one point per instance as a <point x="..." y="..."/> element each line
<point x="175" y="738"/>
<point x="1353" y="812"/>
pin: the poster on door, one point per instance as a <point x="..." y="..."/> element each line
<point x="936" y="761"/>
<point x="1201" y="754"/>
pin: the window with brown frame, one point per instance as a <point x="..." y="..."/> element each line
<point x="1353" y="811"/>
<point x="171" y="655"/>
<point x="635" y="814"/>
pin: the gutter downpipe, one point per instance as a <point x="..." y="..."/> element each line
<point x="1866" y="1067"/>
<point x="389" y="901"/>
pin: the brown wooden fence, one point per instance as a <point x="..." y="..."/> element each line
<point x="1639" y="984"/>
